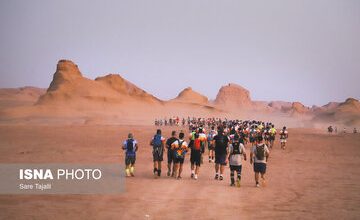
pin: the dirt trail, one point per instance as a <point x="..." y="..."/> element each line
<point x="316" y="177"/>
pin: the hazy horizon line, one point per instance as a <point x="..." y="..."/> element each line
<point x="210" y="99"/>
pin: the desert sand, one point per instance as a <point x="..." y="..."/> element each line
<point x="316" y="177"/>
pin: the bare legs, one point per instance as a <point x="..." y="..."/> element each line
<point x="257" y="175"/>
<point x="171" y="171"/>
<point x="178" y="167"/>
<point x="157" y="168"/>
<point x="221" y="168"/>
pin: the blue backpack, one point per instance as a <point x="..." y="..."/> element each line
<point x="157" y="142"/>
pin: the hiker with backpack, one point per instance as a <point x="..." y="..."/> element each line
<point x="259" y="156"/>
<point x="180" y="148"/>
<point x="170" y="154"/>
<point x="272" y="132"/>
<point x="192" y="137"/>
<point x="283" y="137"/>
<point x="130" y="147"/>
<point x="197" y="150"/>
<point x="158" y="144"/>
<point x="203" y="141"/>
<point x="236" y="152"/>
<point x="211" y="146"/>
<point x="221" y="142"/>
<point x="253" y="135"/>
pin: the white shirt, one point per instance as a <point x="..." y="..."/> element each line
<point x="236" y="159"/>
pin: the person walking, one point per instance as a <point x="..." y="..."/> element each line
<point x="236" y="153"/>
<point x="221" y="142"/>
<point x="170" y="154"/>
<point x="283" y="137"/>
<point x="180" y="148"/>
<point x="130" y="147"/>
<point x="258" y="157"/>
<point x="158" y="143"/>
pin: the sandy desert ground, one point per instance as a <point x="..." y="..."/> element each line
<point x="316" y="177"/>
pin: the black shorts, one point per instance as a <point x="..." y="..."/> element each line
<point x="220" y="159"/>
<point x="158" y="155"/>
<point x="272" y="138"/>
<point x="170" y="156"/>
<point x="179" y="160"/>
<point x="211" y="146"/>
<point x="260" y="168"/>
<point x="130" y="160"/>
<point x="236" y="168"/>
<point x="195" y="157"/>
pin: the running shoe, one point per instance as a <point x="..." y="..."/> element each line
<point x="221" y="178"/>
<point x="217" y="176"/>
<point x="238" y="183"/>
<point x="195" y="177"/>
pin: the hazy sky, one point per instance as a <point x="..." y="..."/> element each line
<point x="303" y="50"/>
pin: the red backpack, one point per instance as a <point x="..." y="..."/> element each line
<point x="197" y="144"/>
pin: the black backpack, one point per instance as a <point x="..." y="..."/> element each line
<point x="260" y="152"/>
<point x="130" y="146"/>
<point x="236" y="148"/>
<point x="220" y="140"/>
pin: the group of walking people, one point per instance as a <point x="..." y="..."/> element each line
<point x="331" y="129"/>
<point x="225" y="144"/>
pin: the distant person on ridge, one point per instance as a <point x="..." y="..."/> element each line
<point x="158" y="144"/>
<point x="130" y="146"/>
